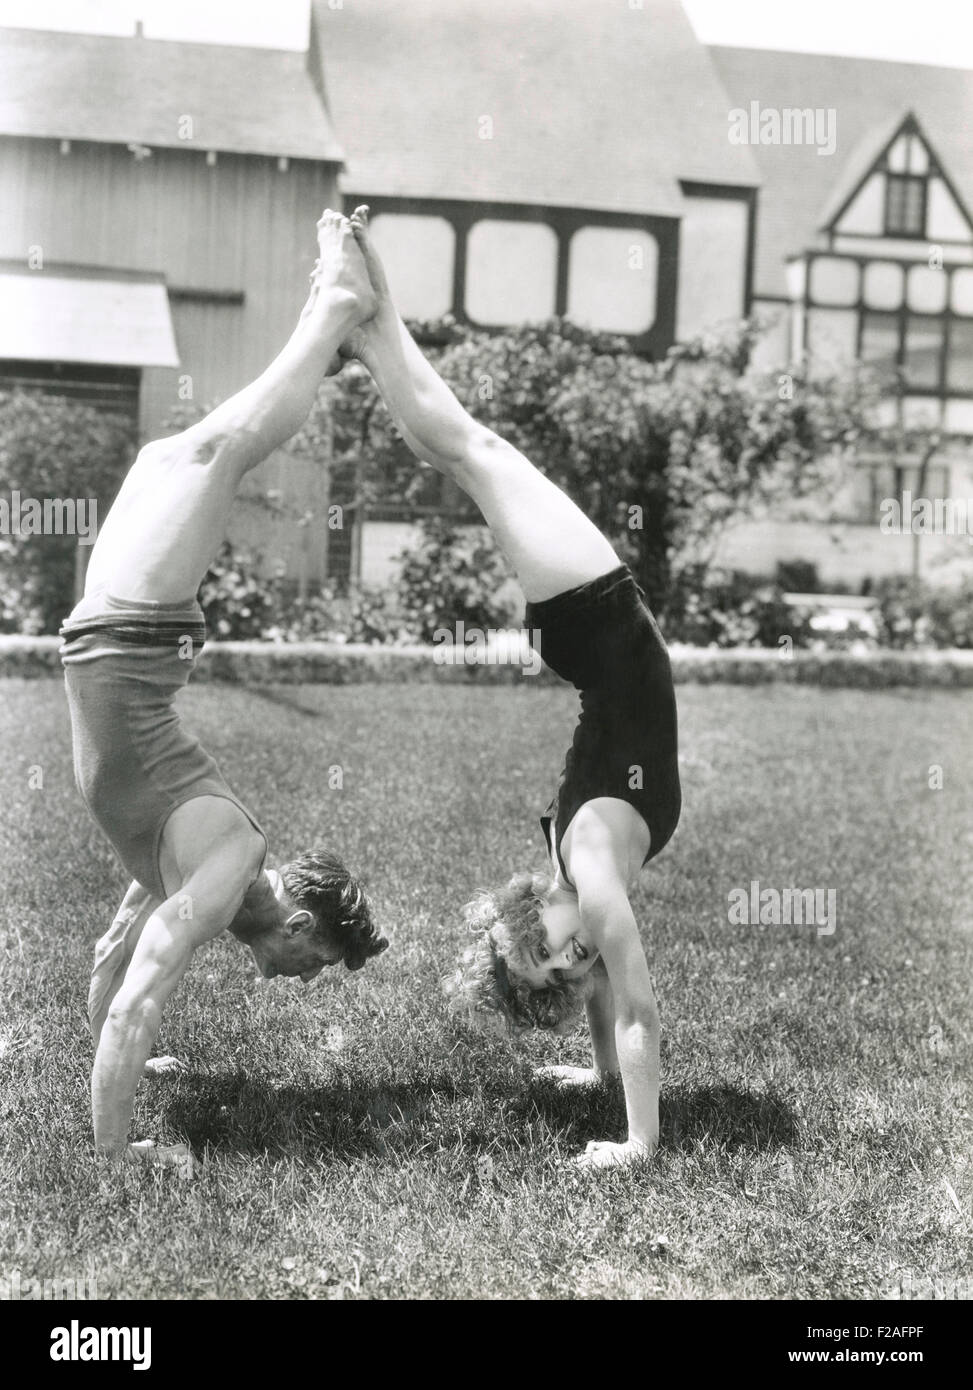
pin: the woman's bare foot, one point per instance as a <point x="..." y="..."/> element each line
<point x="376" y="271"/>
<point x="339" y="270"/>
<point x="357" y="344"/>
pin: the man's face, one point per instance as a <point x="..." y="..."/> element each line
<point x="290" y="947"/>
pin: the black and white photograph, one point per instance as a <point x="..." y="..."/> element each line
<point x="486" y="666"/>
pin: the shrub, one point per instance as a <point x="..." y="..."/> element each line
<point x="913" y="614"/>
<point x="366" y="614"/>
<point x="53" y="447"/>
<point x="900" y="614"/>
<point x="451" y="576"/>
<point x="797" y="576"/>
<point x="710" y="608"/>
<point x="237" y="602"/>
<point x="950" y="613"/>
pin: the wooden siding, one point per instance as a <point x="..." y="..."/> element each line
<point x="239" y="226"/>
<point x="242" y="228"/>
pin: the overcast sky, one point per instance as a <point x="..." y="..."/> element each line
<point x="923" y="31"/>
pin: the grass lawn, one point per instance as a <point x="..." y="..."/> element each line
<point x="815" y="1104"/>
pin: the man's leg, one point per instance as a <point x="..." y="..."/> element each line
<point x="173" y="508"/>
<point x="549" y="541"/>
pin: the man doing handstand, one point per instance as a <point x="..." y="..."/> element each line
<point x="195" y="854"/>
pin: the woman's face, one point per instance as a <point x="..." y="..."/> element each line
<point x="566" y="948"/>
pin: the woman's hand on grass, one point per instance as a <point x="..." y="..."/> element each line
<point x="604" y="1154"/>
<point x="162" y="1066"/>
<point x="178" y="1156"/>
<point x="567" y="1077"/>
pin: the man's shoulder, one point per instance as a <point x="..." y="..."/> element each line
<point x="213" y="830"/>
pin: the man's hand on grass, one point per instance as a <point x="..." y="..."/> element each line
<point x="568" y="1077"/>
<point x="178" y="1156"/>
<point x="604" y="1154"/>
<point x="162" y="1066"/>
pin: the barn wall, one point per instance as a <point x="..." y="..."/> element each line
<point x="241" y="227"/>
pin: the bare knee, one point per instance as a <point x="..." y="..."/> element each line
<point x="479" y="458"/>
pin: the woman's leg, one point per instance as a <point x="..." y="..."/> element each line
<point x="549" y="541"/>
<point x="172" y="511"/>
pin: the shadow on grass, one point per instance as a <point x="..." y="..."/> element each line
<point x="689" y="1116"/>
<point x="274" y="696"/>
<point x="727" y="1116"/>
<point x="344" y="1118"/>
<point x="352" y="1116"/>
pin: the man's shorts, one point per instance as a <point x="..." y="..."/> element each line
<point x="124" y="662"/>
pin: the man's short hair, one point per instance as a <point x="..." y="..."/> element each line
<point x="320" y="883"/>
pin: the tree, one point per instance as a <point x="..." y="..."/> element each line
<point x="662" y="456"/>
<point x="60" y="451"/>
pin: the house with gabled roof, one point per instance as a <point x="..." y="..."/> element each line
<point x="521" y="160"/>
<point x="867" y="255"/>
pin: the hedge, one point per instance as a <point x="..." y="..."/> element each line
<point x="298" y="663"/>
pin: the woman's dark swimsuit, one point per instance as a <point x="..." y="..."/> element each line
<point x="124" y="662"/>
<point x="602" y="637"/>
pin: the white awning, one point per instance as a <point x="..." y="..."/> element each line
<point x="48" y="317"/>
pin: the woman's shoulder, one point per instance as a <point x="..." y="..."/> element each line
<point x="607" y="829"/>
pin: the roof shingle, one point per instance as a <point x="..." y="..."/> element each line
<point x="122" y="90"/>
<point x="870" y="97"/>
<point x="592" y="105"/>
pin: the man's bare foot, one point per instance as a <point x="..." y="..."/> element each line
<point x="357" y="346"/>
<point x="339" y="270"/>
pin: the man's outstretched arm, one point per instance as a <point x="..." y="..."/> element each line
<point x="113" y="954"/>
<point x="199" y="912"/>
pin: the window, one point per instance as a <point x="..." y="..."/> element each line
<point x="959" y="364"/>
<point x="880" y="339"/>
<point x="612" y="279"/>
<point x="906" y="479"/>
<point x="503" y="263"/>
<point x="923" y="350"/>
<point x="418" y="253"/>
<point x="905" y="205"/>
<point x="878" y="480"/>
<point x="511" y="271"/>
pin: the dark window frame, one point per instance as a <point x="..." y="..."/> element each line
<point x="949" y="319"/>
<point x="906" y="182"/>
<point x="564" y="222"/>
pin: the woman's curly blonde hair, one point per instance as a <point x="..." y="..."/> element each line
<point x="486" y="990"/>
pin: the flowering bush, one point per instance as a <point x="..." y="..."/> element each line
<point x="451" y="576"/>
